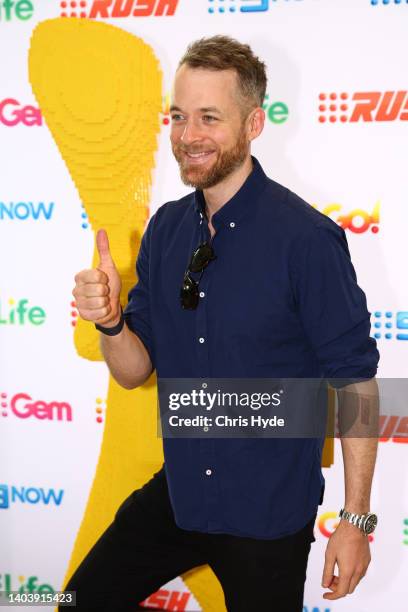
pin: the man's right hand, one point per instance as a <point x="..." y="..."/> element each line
<point x="97" y="292"/>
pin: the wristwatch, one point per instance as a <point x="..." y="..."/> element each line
<point x="366" y="522"/>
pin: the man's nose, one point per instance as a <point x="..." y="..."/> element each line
<point x="191" y="132"/>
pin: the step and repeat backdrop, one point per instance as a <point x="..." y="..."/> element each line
<point x="84" y="143"/>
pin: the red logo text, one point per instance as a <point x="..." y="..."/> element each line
<point x="369" y="106"/>
<point x="167" y="600"/>
<point x="119" y="8"/>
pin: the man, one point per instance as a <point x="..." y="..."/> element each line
<point x="271" y="292"/>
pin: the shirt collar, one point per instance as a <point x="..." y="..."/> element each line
<point x="232" y="210"/>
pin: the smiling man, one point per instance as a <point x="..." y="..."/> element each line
<point x="239" y="279"/>
<point x="225" y="147"/>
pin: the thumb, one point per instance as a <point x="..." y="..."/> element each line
<point x="102" y="244"/>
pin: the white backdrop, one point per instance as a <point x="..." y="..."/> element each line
<point x="313" y="48"/>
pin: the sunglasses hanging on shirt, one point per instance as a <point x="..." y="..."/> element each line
<point x="189" y="295"/>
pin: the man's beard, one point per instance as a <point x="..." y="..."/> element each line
<point x="225" y="164"/>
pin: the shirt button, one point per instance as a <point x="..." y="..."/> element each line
<point x="201" y="340"/>
<point x="202" y="294"/>
<point x="232" y="224"/>
<point x="208" y="472"/>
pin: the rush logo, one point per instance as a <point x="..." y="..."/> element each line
<point x="363" y="106"/>
<point x="395" y="428"/>
<point x="167" y="600"/>
<point x="118" y="8"/>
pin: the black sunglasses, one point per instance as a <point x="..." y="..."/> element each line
<point x="200" y="259"/>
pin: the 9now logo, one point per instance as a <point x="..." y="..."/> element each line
<point x="20" y="211"/>
<point x="385" y="2"/>
<point x="363" y="106"/>
<point x="31" y="495"/>
<point x="23" y="406"/>
<point x="386" y="323"/>
<point x="246" y="6"/>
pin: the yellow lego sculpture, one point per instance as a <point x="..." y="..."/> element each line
<point x="100" y="92"/>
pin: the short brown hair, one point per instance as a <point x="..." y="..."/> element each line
<point x="225" y="53"/>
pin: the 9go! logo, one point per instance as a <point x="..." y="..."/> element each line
<point x="357" y="221"/>
<point x="327" y="524"/>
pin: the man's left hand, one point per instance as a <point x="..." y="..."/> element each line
<point x="350" y="549"/>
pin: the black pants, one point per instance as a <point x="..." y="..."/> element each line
<point x="143" y="549"/>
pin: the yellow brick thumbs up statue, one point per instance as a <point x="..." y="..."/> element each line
<point x="99" y="89"/>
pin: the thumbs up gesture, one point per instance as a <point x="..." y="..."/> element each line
<point x="97" y="292"/>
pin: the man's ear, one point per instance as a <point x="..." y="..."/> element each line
<point x="256" y="122"/>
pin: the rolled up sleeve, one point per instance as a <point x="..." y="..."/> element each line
<point x="137" y="311"/>
<point x="333" y="308"/>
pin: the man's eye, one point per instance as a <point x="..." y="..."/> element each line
<point x="209" y="118"/>
<point x="176" y="117"/>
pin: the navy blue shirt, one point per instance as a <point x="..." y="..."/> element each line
<point x="280" y="300"/>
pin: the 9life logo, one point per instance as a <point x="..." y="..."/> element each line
<point x="244" y="6"/>
<point x="10" y="583"/>
<point x="11" y="10"/>
<point x="276" y="112"/>
<point x="28" y="495"/>
<point x="107" y="9"/>
<point x="20" y="312"/>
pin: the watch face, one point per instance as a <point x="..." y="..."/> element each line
<point x="370" y="524"/>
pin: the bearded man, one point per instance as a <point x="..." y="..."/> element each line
<point x="239" y="279"/>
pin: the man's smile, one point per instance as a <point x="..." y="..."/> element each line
<point x="198" y="158"/>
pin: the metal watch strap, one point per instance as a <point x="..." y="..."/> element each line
<point x="354" y="519"/>
<point x="113" y="331"/>
<point x="365" y="522"/>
